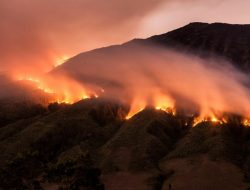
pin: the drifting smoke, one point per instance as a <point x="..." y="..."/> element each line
<point x="35" y="34"/>
<point x="148" y="75"/>
<point x="145" y="75"/>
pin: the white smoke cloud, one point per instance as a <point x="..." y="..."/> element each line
<point x="159" y="77"/>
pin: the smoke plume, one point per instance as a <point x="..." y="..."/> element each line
<point x="37" y="34"/>
<point x="149" y="75"/>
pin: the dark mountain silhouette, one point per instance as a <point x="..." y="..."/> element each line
<point x="208" y="41"/>
<point x="90" y="145"/>
<point x="228" y="41"/>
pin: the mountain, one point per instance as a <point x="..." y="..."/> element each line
<point x="221" y="43"/>
<point x="91" y="145"/>
<point x="225" y="41"/>
<point x="231" y="42"/>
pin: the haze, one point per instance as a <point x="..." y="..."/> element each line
<point x="37" y="34"/>
<point x="143" y="76"/>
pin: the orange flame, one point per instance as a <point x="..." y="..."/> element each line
<point x="136" y="106"/>
<point x="59" y="61"/>
<point x="160" y="102"/>
<point x="69" y="91"/>
<point x="211" y="118"/>
<point x="246" y="122"/>
<point x="64" y="91"/>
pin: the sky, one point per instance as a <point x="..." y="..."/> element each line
<point x="35" y="35"/>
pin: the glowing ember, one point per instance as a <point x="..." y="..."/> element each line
<point x="198" y="120"/>
<point x="66" y="91"/>
<point x="61" y="60"/>
<point x="31" y="79"/>
<point x="168" y="110"/>
<point x="85" y="96"/>
<point x="133" y="112"/>
<point x="38" y="84"/>
<point x="246" y="122"/>
<point x="136" y="106"/>
<point x="163" y="102"/>
<point x="212" y="119"/>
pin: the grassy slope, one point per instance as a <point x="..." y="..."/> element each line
<point x="148" y="151"/>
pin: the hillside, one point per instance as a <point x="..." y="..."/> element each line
<point x="91" y="145"/>
<point x="224" y="41"/>
<point x="231" y="42"/>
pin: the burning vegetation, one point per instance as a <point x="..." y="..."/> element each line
<point x="102" y="103"/>
<point x="161" y="102"/>
<point x="67" y="91"/>
<point x="206" y="90"/>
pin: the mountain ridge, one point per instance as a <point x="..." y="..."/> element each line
<point x="200" y="34"/>
<point x="91" y="145"/>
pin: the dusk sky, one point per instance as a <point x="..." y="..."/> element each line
<point x="35" y="34"/>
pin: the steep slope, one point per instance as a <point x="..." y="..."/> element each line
<point x="143" y="141"/>
<point x="203" y="173"/>
<point x="210" y="155"/>
<point x="230" y="42"/>
<point x="225" y="40"/>
<point x="90" y="144"/>
<point x="40" y="146"/>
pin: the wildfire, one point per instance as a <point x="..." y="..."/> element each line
<point x="64" y="90"/>
<point x="132" y="113"/>
<point x="136" y="106"/>
<point x="59" y="61"/>
<point x="164" y="103"/>
<point x="212" y="119"/>
<point x="246" y="122"/>
<point x="38" y="84"/>
<point x="31" y="79"/>
<point x="159" y="102"/>
<point x="68" y="92"/>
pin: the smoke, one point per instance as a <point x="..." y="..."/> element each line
<point x="142" y="75"/>
<point x="148" y="75"/>
<point x="13" y="91"/>
<point x="34" y="34"/>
